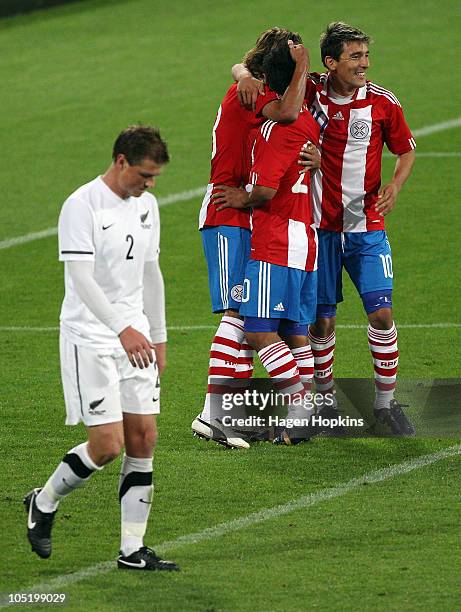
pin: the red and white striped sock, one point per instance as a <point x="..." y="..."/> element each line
<point x="385" y="353"/>
<point x="224" y="353"/>
<point x="281" y="367"/>
<point x="305" y="362"/>
<point x="323" y="350"/>
<point x="244" y="367"/>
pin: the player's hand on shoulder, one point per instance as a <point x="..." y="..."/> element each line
<point x="229" y="197"/>
<point x="248" y="90"/>
<point x="137" y="347"/>
<point x="309" y="158"/>
<point x="386" y="199"/>
<point x="298" y="53"/>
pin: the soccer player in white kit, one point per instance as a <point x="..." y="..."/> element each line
<point x="112" y="341"/>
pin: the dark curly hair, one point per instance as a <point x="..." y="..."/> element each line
<point x="268" y="41"/>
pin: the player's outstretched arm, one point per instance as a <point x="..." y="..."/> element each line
<point x="137" y="346"/>
<point x="287" y="110"/>
<point x="154" y="308"/>
<point x="388" y="193"/>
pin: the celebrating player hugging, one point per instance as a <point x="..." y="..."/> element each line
<point x="356" y="118"/>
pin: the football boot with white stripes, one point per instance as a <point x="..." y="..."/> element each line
<point x="216" y="431"/>
<point x="146" y="559"/>
<point x="39" y="525"/>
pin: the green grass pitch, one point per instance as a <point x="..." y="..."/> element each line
<point x="72" y="78"/>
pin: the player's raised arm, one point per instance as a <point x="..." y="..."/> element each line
<point x="248" y="88"/>
<point x="286" y="109"/>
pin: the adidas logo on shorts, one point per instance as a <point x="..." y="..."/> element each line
<point x="280" y="307"/>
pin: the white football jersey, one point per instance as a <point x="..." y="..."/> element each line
<point x="119" y="235"/>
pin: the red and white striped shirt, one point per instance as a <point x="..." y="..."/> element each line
<point x="283" y="228"/>
<point x="352" y="136"/>
<point x="230" y="159"/>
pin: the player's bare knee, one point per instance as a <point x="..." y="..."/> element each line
<point x="111" y="451"/>
<point x="259" y="340"/>
<point x="295" y="341"/>
<point x="105" y="448"/>
<point x="141" y="443"/>
<point x="323" y="327"/>
<point x="233" y="313"/>
<point x="150" y="439"/>
<point x="381" y="319"/>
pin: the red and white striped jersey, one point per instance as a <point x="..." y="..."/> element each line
<point x="283" y="228"/>
<point x="230" y="157"/>
<point x="352" y="136"/>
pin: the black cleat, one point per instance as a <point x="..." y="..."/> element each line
<point x="145" y="559"/>
<point x="328" y="415"/>
<point x="39" y="525"/>
<point x="395" y="418"/>
<point x="284" y="439"/>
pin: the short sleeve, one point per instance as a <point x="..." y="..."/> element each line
<point x="75" y="231"/>
<point x="397" y="134"/>
<point x="271" y="155"/>
<point x="153" y="250"/>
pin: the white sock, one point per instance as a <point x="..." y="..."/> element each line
<point x="135" y="495"/>
<point x="72" y="473"/>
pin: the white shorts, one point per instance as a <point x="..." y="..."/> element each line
<point x="101" y="384"/>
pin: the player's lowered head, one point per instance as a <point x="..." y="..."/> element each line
<point x="138" y="157"/>
<point x="278" y="66"/>
<point x="270" y="39"/>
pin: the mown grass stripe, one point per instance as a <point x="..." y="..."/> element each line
<point x="61" y="582"/>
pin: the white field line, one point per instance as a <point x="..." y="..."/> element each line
<point x="437" y="127"/>
<point x="204" y="327"/>
<point x="429" y="154"/>
<point x="192" y="193"/>
<point x="182" y="196"/>
<point x="60" y="583"/>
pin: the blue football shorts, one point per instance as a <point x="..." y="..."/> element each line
<point x="366" y="256"/>
<point x="277" y="292"/>
<point x="227" y="250"/>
